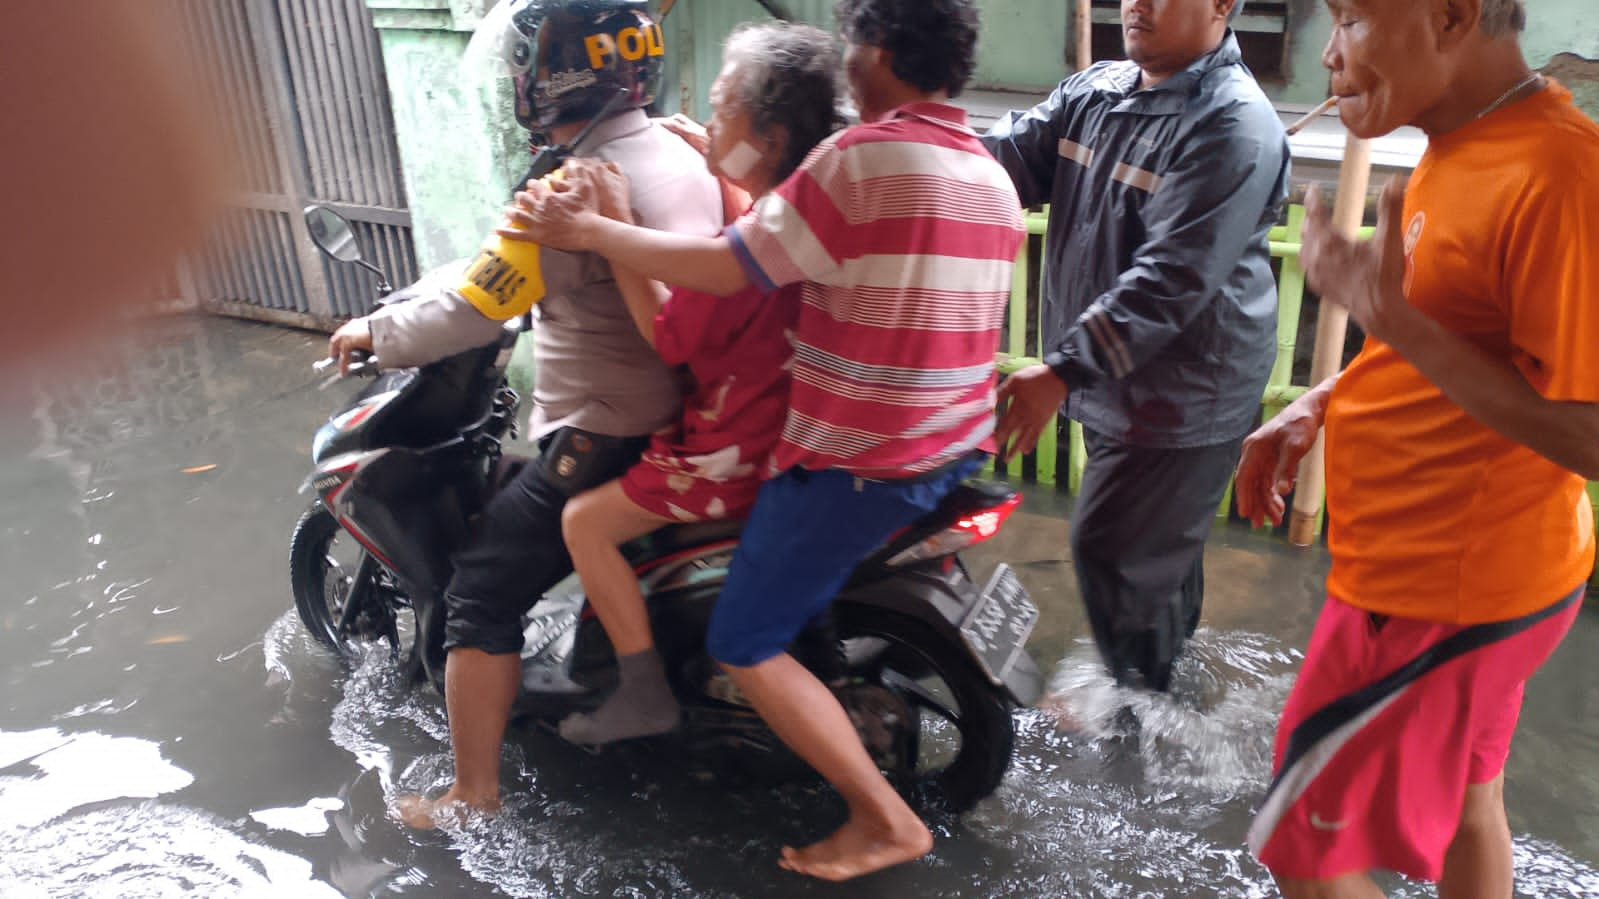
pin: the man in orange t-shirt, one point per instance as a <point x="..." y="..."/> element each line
<point x="1457" y="446"/>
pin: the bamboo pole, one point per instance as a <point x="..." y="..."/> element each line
<point x="1085" y="38"/>
<point x="1332" y="323"/>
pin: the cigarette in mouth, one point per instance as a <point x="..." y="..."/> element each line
<point x="1312" y="116"/>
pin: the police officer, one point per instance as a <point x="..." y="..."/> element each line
<point x="600" y="388"/>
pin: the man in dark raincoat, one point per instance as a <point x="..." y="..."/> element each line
<point x="1163" y="174"/>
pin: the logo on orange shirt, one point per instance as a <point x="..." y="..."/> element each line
<point x="1418" y="223"/>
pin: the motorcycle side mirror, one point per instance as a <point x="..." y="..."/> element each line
<point x="332" y="233"/>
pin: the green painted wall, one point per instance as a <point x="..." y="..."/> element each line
<point x="1561" y="26"/>
<point x="460" y="149"/>
<point x="1026" y="44"/>
<point x="459" y="146"/>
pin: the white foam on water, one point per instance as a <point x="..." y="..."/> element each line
<point x="153" y="851"/>
<point x="307" y="820"/>
<point x="74" y="770"/>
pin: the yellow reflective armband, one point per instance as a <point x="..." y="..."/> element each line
<point x="505" y="279"/>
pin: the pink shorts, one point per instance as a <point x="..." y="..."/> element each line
<point x="1388" y="723"/>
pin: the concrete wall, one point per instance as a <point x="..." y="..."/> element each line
<point x="1026" y="45"/>
<point x="1561" y="26"/>
<point x="1027" y="42"/>
<point x="460" y="148"/>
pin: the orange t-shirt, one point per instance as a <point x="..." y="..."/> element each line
<point x="1432" y="515"/>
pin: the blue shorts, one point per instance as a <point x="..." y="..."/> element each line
<point x="806" y="534"/>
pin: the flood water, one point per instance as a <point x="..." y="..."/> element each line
<point x="167" y="728"/>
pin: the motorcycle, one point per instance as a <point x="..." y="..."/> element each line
<point x="929" y="665"/>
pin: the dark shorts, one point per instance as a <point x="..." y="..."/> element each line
<point x="516" y="552"/>
<point x="806" y="534"/>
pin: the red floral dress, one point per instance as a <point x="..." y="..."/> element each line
<point x="738" y="350"/>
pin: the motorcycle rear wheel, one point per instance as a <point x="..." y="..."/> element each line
<point x="340" y="592"/>
<point x="962" y="735"/>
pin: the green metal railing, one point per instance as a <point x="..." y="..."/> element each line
<point x="1020" y="352"/>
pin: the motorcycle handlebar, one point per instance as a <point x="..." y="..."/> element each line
<point x="362" y="363"/>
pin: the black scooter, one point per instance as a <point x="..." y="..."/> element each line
<point x="929" y="664"/>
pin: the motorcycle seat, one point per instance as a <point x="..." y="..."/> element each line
<point x="676" y="537"/>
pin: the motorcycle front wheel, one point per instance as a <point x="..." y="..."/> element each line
<point x="957" y="742"/>
<point x="341" y="593"/>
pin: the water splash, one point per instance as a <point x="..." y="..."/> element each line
<point x="1114" y="809"/>
<point x="1545" y="870"/>
<point x="546" y="839"/>
<point x="544" y="845"/>
<point x="1151" y="794"/>
<point x="378" y="711"/>
<point x="1211" y="733"/>
<point x="150" y="850"/>
<point x="287" y="645"/>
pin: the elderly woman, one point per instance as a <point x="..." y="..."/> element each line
<point x="772" y="102"/>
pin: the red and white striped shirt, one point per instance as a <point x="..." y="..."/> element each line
<point x="903" y="233"/>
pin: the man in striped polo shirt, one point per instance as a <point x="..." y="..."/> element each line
<point x="903" y="230"/>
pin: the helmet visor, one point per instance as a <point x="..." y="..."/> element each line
<point x="504" y="54"/>
<point x="498" y="48"/>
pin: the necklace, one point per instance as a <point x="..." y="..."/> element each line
<point x="1532" y="78"/>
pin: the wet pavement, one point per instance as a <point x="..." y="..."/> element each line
<point x="168" y="729"/>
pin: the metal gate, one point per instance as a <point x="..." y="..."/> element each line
<point x="297" y="93"/>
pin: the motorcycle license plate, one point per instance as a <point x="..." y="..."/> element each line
<point x="997" y="626"/>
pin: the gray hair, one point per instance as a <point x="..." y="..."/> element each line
<point x="1503" y="17"/>
<point x="785" y="74"/>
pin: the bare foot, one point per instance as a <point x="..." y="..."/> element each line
<point x="859" y="848"/>
<point x="420" y="813"/>
<point x="1059" y="707"/>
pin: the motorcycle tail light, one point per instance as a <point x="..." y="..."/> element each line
<point x="968" y="530"/>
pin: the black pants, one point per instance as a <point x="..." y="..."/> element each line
<point x="1138" y="544"/>
<point x="516" y="552"/>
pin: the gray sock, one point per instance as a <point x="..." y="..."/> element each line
<point x="642" y="705"/>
